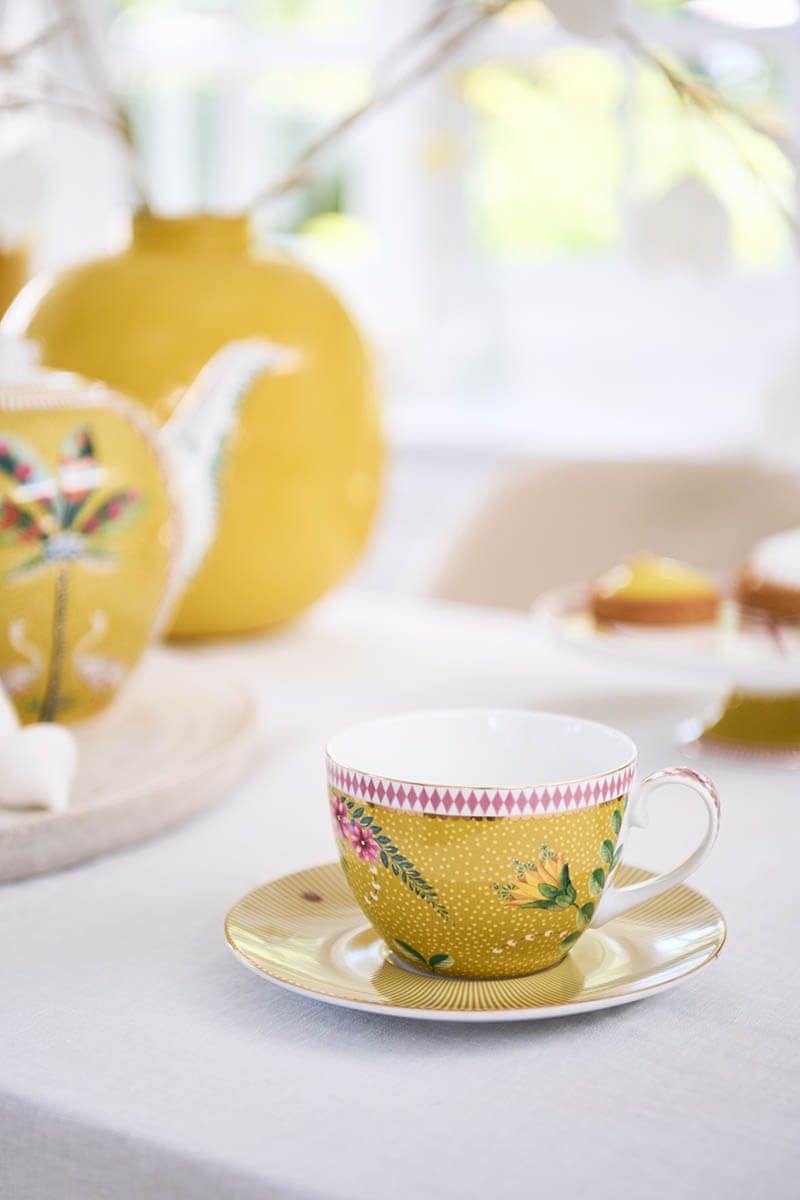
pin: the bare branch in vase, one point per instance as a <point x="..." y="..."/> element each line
<point x="386" y="92"/>
<point x="109" y="110"/>
<point x="11" y="58"/>
<point x="712" y="104"/>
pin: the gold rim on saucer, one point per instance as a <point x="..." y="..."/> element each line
<point x="306" y="933"/>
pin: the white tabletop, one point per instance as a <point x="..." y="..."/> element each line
<point x="138" y="1059"/>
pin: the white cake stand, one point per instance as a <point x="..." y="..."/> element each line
<point x="756" y="665"/>
<point x="168" y="748"/>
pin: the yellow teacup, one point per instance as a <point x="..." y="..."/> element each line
<point x="482" y="843"/>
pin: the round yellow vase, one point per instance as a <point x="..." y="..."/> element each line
<point x="298" y="483"/>
<point x="87" y="546"/>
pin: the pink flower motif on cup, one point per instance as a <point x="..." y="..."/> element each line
<point x="341" y="816"/>
<point x="355" y="823"/>
<point x="363" y="842"/>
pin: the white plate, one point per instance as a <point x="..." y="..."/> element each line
<point x="734" y="651"/>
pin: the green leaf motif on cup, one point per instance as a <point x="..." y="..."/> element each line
<point x="357" y="831"/>
<point x="597" y="881"/>
<point x="437" y="962"/>
<point x="410" y="952"/>
<point x="548" y="876"/>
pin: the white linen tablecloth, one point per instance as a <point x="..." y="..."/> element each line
<point x="139" y="1060"/>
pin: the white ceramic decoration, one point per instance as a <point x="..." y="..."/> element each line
<point x="18" y="359"/>
<point x="589" y="18"/>
<point x="37" y="767"/>
<point x="37" y="764"/>
<point x="170" y="747"/>
<point x="9" y="721"/>
<point x="21" y="169"/>
<point x="686" y="227"/>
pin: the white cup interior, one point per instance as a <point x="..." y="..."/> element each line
<point x="482" y="748"/>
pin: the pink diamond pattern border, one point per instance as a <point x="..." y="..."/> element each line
<point x="458" y="802"/>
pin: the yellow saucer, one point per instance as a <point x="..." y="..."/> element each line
<point x="306" y="932"/>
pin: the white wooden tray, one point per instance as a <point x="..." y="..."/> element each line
<point x="168" y="748"/>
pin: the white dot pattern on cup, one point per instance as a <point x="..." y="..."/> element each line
<point x="455" y="888"/>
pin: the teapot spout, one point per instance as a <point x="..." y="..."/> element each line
<point x="197" y="435"/>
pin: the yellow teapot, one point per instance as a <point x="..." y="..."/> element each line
<point x="298" y="469"/>
<point x="88" y="543"/>
<point x="104" y="520"/>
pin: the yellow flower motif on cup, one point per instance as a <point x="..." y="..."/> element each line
<point x="549" y="871"/>
<point x="546" y="884"/>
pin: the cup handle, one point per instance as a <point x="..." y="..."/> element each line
<point x="616" y="900"/>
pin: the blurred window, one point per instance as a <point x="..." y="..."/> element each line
<point x="544" y="235"/>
